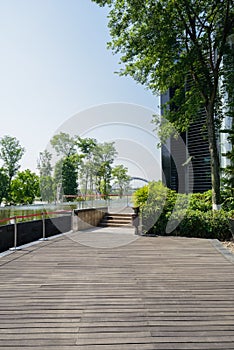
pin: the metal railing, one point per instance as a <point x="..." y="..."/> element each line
<point x="42" y="216"/>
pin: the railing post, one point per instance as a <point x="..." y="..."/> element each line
<point x="72" y="220"/>
<point x="15" y="232"/>
<point x="43" y="228"/>
<point x="15" y="235"/>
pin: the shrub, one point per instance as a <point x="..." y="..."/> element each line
<point x="155" y="201"/>
<point x="140" y="196"/>
<point x="192" y="215"/>
<point x="211" y="224"/>
<point x="201" y="201"/>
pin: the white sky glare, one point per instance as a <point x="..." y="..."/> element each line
<point x="53" y="64"/>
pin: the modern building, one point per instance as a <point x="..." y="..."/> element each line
<point x="187" y="169"/>
<point x="186" y="160"/>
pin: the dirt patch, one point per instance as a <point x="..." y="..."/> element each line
<point x="229" y="246"/>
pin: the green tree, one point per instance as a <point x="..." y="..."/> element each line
<point x="44" y="163"/>
<point x="105" y="154"/>
<point x="46" y="181"/>
<point x="47" y="191"/>
<point x="173" y="44"/>
<point x="4" y="182"/>
<point x="64" y="144"/>
<point x="11" y="153"/>
<point x="121" y="178"/>
<point x="228" y="91"/>
<point x="58" y="171"/>
<point x="87" y="147"/>
<point x="25" y="187"/>
<point x="69" y="176"/>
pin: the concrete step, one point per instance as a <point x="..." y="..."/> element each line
<point x="113" y="224"/>
<point x="119" y="222"/>
<point x="120" y="214"/>
<point x="116" y="220"/>
<point x="110" y="217"/>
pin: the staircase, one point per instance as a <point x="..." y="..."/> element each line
<point x="116" y="220"/>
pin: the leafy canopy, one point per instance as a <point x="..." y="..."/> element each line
<point x="178" y="45"/>
<point x="11" y="152"/>
<point x="25" y="187"/>
<point x="163" y="44"/>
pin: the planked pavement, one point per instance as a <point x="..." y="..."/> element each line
<point x="146" y="293"/>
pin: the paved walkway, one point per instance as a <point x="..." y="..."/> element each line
<point x="147" y="293"/>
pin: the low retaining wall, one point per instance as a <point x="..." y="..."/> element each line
<point x="30" y="231"/>
<point x="84" y="219"/>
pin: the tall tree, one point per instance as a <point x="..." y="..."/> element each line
<point x="58" y="171"/>
<point x="121" y="178"/>
<point x="25" y="187"/>
<point x="105" y="154"/>
<point x="47" y="190"/>
<point x="69" y="176"/>
<point x="228" y="92"/>
<point x="11" y="153"/>
<point x="44" y="163"/>
<point x="164" y="44"/>
<point x="87" y="147"/>
<point x="64" y="144"/>
<point x="46" y="181"/>
<point x="4" y="182"/>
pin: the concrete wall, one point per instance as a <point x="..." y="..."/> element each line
<point x="87" y="218"/>
<point x="32" y="231"/>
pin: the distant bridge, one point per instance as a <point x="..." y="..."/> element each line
<point x="139" y="178"/>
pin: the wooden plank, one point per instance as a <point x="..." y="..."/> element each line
<point x="154" y="293"/>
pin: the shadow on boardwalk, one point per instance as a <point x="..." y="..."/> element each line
<point x="149" y="293"/>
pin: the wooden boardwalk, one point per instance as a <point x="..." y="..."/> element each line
<point x="153" y="293"/>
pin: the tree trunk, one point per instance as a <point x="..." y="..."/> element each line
<point x="214" y="156"/>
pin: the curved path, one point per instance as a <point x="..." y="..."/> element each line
<point x="146" y="293"/>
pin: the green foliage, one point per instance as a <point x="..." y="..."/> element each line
<point x="63" y="144"/>
<point x="69" y="176"/>
<point x="228" y="204"/>
<point x="11" y="152"/>
<point x="47" y="192"/>
<point x="163" y="44"/>
<point x="121" y="178"/>
<point x="192" y="214"/>
<point x="201" y="201"/>
<point x="44" y="163"/>
<point x="140" y="196"/>
<point x="210" y="224"/>
<point x="58" y="172"/>
<point x="86" y="145"/>
<point x="4" y="183"/>
<point x="93" y="160"/>
<point x="24" y="187"/>
<point x="155" y="201"/>
<point x="105" y="154"/>
<point x="88" y="164"/>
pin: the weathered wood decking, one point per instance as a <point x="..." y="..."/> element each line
<point x="154" y="293"/>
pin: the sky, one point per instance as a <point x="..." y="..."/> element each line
<point x="54" y="64"/>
